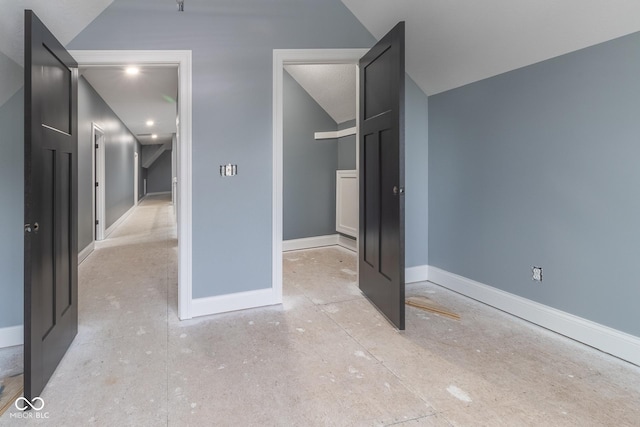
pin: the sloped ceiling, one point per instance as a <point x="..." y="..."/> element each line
<point x="450" y="43"/>
<point x="332" y="86"/>
<point x="65" y="19"/>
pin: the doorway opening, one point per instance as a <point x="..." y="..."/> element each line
<point x="98" y="181"/>
<point x="281" y="60"/>
<point x="136" y="168"/>
<point x="181" y="60"/>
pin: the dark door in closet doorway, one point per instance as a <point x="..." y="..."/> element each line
<point x="50" y="205"/>
<point x="381" y="229"/>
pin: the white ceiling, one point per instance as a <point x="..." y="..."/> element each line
<point x="149" y="95"/>
<point x="332" y="86"/>
<point x="450" y="43"/>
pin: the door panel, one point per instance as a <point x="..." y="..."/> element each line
<point x="51" y="251"/>
<point x="372" y="200"/>
<point x="381" y="234"/>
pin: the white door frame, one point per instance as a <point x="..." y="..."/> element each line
<point x="98" y="178"/>
<point x="282" y="57"/>
<point x="136" y="167"/>
<point x="181" y="58"/>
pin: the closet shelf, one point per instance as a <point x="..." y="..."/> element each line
<point x="335" y="134"/>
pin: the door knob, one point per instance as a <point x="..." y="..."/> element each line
<point x="28" y="228"/>
<point x="397" y="190"/>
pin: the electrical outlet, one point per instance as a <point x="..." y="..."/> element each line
<point x="536" y="274"/>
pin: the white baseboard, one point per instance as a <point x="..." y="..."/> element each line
<point x="347" y="243"/>
<point x="319" y="242"/>
<point x="309" y="242"/>
<point x="11" y="336"/>
<point x="118" y="222"/>
<point x="419" y="273"/>
<point x="157" y="193"/>
<point x="83" y="254"/>
<point x="604" y="338"/>
<point x="234" y="302"/>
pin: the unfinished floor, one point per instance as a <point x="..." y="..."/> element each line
<point x="325" y="357"/>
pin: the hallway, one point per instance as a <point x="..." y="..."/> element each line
<point x="325" y="357"/>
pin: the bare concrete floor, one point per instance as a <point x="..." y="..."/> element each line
<point x="325" y="357"/>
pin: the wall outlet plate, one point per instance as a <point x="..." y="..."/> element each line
<point x="536" y="274"/>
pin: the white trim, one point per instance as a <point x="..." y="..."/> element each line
<point x="98" y="177"/>
<point x="341" y="226"/>
<point x="335" y="134"/>
<point x="119" y="221"/>
<point x="310" y="242"/>
<point x="280" y="57"/>
<point x="181" y="58"/>
<point x="347" y="243"/>
<point x="83" y="254"/>
<point x="157" y="193"/>
<point x="320" y="242"/>
<point x="11" y="336"/>
<point x="604" y="338"/>
<point x="136" y="168"/>
<point x="234" y="302"/>
<point x="415" y="274"/>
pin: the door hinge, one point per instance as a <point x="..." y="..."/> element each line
<point x="97" y="222"/>
<point x="97" y="146"/>
<point x="97" y="184"/>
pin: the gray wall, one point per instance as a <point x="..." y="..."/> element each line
<point x="347" y="148"/>
<point x="540" y="166"/>
<point x="232" y="44"/>
<point x="11" y="209"/>
<point x="120" y="145"/>
<point x="309" y="166"/>
<point x="159" y="174"/>
<point x="416" y="175"/>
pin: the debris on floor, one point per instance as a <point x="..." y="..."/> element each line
<point x="10" y="390"/>
<point x="426" y="304"/>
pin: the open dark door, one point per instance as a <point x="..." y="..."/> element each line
<point x="381" y="234"/>
<point x="50" y="196"/>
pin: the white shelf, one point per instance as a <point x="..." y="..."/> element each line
<point x="335" y="134"/>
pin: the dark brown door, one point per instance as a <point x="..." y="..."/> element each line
<point x="50" y="195"/>
<point x="381" y="234"/>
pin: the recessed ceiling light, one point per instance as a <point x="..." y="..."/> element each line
<point x="132" y="71"/>
<point x="154" y="136"/>
<point x="150" y="122"/>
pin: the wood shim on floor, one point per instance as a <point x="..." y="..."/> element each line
<point x="10" y="390"/>
<point x="425" y="303"/>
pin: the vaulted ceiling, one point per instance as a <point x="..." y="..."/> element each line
<point x="449" y="42"/>
<point x="332" y="86"/>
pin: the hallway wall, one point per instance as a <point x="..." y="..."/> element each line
<point x="159" y="174"/>
<point x="120" y="145"/>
